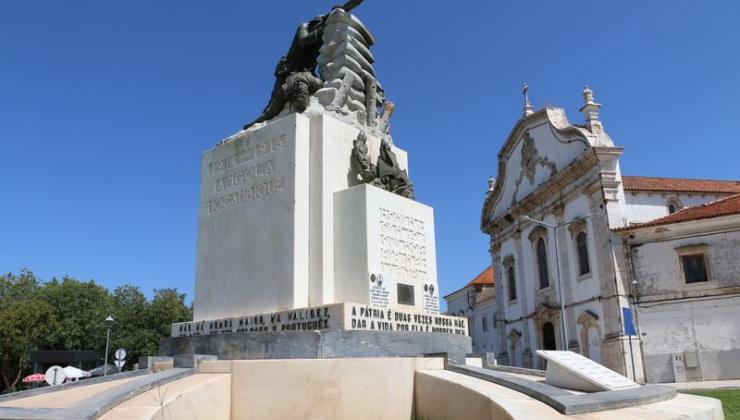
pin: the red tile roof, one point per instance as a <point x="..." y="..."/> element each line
<point x="645" y="183"/>
<point x="485" y="278"/>
<point x="723" y="207"/>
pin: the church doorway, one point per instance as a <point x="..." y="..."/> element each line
<point x="548" y="336"/>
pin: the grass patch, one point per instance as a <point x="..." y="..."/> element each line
<point x="730" y="400"/>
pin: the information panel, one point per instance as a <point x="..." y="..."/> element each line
<point x="567" y="369"/>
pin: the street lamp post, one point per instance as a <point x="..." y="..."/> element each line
<point x="109" y="322"/>
<point x="563" y="326"/>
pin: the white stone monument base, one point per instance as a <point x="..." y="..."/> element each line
<point x="384" y="251"/>
<point x="332" y="317"/>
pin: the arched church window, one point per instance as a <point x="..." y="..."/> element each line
<point x="542" y="269"/>
<point x="511" y="279"/>
<point x="674" y="205"/>
<point x="582" y="247"/>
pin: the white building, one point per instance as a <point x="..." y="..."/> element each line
<point x="562" y="221"/>
<point x="477" y="302"/>
<point x="686" y="272"/>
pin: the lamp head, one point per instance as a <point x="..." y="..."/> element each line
<point x="109" y="320"/>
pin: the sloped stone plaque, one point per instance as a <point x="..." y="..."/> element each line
<point x="566" y="369"/>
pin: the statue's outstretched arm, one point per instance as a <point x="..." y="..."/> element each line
<point x="307" y="37"/>
<point x="351" y="4"/>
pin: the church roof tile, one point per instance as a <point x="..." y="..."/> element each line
<point x="723" y="207"/>
<point x="645" y="183"/>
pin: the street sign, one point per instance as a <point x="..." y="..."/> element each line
<point x="629" y="326"/>
<point x="55" y="375"/>
<point x="121" y="353"/>
<point x="120" y="363"/>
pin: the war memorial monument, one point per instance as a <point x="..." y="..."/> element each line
<point x="316" y="287"/>
<point x="308" y="231"/>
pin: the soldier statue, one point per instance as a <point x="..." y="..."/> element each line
<point x="295" y="73"/>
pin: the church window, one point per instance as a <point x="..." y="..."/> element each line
<point x="511" y="279"/>
<point x="694" y="269"/>
<point x="674" y="205"/>
<point x="582" y="247"/>
<point x="542" y="269"/>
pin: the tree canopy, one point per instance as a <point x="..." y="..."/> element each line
<point x="69" y="315"/>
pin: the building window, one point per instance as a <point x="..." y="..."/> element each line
<point x="674" y="205"/>
<point x="694" y="269"/>
<point x="542" y="270"/>
<point x="511" y="279"/>
<point x="582" y="247"/>
<point x="485" y="324"/>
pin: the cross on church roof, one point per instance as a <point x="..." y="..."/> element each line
<point x="528" y="110"/>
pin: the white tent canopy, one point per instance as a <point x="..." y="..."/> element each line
<point x="74" y="373"/>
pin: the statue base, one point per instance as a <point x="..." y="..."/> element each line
<point x="322" y="344"/>
<point x="328" y="331"/>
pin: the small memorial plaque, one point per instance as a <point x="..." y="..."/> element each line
<point x="405" y="294"/>
<point x="566" y="369"/>
<point x="379" y="290"/>
<point x="431" y="300"/>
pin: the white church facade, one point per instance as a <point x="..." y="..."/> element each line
<point x="606" y="265"/>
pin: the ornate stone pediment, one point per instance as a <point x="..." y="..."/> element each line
<point x="530" y="160"/>
<point x="539" y="147"/>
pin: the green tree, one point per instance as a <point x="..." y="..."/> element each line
<point x="131" y="329"/>
<point x="168" y="306"/>
<point x="81" y="308"/>
<point x="25" y="324"/>
<point x="70" y="315"/>
<point x="16" y="288"/>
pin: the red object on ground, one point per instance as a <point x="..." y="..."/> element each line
<point x="36" y="377"/>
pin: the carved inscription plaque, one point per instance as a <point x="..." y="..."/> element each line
<point x="338" y="316"/>
<point x="403" y="246"/>
<point x="249" y="173"/>
<point x="363" y="317"/>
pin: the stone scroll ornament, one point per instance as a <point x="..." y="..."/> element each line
<point x="338" y="44"/>
<point x="386" y="174"/>
<point x="531" y="158"/>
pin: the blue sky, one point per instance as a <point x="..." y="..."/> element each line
<point x="105" y="108"/>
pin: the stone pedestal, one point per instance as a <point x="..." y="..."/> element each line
<point x="331" y="170"/>
<point x="384" y="250"/>
<point x="266" y="218"/>
<point x="290" y="241"/>
<point x="253" y="219"/>
<point x="320" y="345"/>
